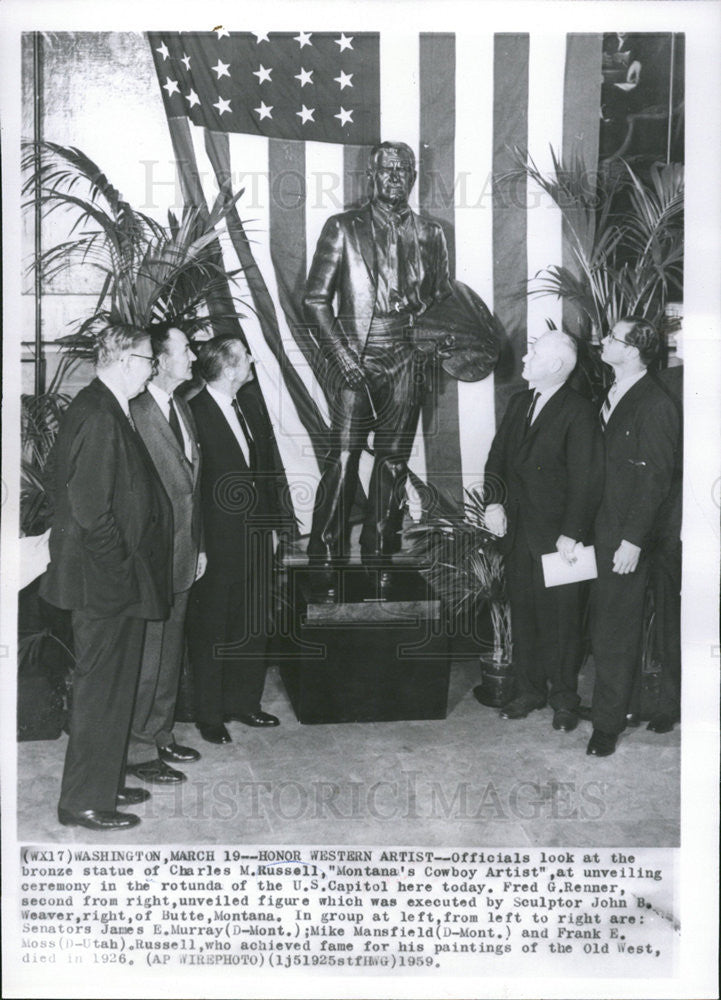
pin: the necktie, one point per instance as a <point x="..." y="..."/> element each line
<point x="130" y="420"/>
<point x="606" y="408"/>
<point x="175" y="424"/>
<point x="246" y="433"/>
<point x="532" y="409"/>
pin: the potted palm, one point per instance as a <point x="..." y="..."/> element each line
<point x="625" y="236"/>
<point x="463" y="565"/>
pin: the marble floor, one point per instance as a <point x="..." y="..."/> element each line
<point x="471" y="780"/>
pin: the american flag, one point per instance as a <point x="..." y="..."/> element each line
<point x="292" y="116"/>
<point x="307" y="86"/>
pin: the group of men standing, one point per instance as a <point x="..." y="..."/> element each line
<point x="574" y="476"/>
<point x="149" y="537"/>
<point x="165" y="510"/>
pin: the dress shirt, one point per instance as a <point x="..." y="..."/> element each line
<point x="543" y="396"/>
<point x="226" y="405"/>
<point x="162" y="398"/>
<point x="619" y="389"/>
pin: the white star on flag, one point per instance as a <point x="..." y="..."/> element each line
<point x="344" y="80"/>
<point x="260" y="36"/>
<point x="303" y="38"/>
<point x="171" y="86"/>
<point x="163" y="50"/>
<point x="264" y="111"/>
<point x="221" y="32"/>
<point x="192" y="98"/>
<point x="306" y="115"/>
<point x="221" y="69"/>
<point x="262" y="73"/>
<point x="305" y="76"/>
<point x="345" y="116"/>
<point x="222" y="105"/>
<point x="186" y="61"/>
<point x="344" y="42"/>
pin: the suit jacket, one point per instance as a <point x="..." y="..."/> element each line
<point x="180" y="478"/>
<point x="552" y="472"/>
<point x="641" y="447"/>
<point x="110" y="543"/>
<point x="234" y="499"/>
<point x="344" y="264"/>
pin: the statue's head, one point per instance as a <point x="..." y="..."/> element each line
<point x="391" y="173"/>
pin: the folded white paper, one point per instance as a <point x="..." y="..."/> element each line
<point x="556" y="571"/>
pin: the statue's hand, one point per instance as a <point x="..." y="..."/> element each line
<point x="350" y="370"/>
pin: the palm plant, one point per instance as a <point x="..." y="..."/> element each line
<point x="462" y="563"/>
<point x="622" y="263"/>
<point x="148" y="272"/>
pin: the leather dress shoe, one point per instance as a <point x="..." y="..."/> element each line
<point x="98" y="819"/>
<point x="661" y="723"/>
<point x="175" y="754"/>
<point x="633" y="720"/>
<point x="565" y="720"/>
<point x="156" y="772"/>
<point x="213" y="734"/>
<point x="132" y="796"/>
<point x="520" y="707"/>
<point x="601" y="744"/>
<point x="255" y="719"/>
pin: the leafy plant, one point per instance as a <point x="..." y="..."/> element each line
<point x="465" y="569"/>
<point x="624" y="262"/>
<point x="148" y="272"/>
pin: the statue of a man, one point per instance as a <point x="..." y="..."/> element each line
<point x="375" y="271"/>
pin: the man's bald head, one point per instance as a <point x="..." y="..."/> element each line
<point x="550" y="359"/>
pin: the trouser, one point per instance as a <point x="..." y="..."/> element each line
<point x="666" y="583"/>
<point x="546" y="621"/>
<point x="227" y="644"/>
<point x="107" y="652"/>
<point x="157" y="691"/>
<point x="388" y="404"/>
<point x="617" y="627"/>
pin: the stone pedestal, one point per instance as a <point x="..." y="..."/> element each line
<point x="377" y="654"/>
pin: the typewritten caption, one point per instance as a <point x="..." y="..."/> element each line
<point x="345" y="910"/>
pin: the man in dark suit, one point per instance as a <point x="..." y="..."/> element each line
<point x="165" y="423"/>
<point x="229" y="605"/>
<point x="384" y="266"/>
<point x="641" y="438"/>
<point x="110" y="564"/>
<point x="546" y="457"/>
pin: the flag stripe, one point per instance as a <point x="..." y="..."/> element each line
<point x="474" y="232"/>
<point x="355" y="181"/>
<point x="436" y="176"/>
<point x="510" y="267"/>
<point x="581" y="101"/>
<point x="547" y="56"/>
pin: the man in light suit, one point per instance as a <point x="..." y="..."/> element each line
<point x="641" y="437"/>
<point x="384" y="266"/>
<point x="547" y="458"/>
<point x="229" y="606"/>
<point x="166" y="425"/>
<point x="110" y="564"/>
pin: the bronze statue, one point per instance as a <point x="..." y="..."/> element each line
<point x="385" y="267"/>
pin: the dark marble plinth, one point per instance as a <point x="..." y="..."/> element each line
<point x="379" y="652"/>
